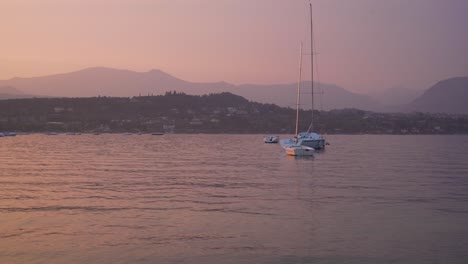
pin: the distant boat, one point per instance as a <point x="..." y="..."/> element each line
<point x="7" y="134"/>
<point x="271" y="139"/>
<point x="51" y="134"/>
<point x="157" y="133"/>
<point x="307" y="139"/>
<point x="126" y="134"/>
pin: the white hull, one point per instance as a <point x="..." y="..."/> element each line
<point x="271" y="139"/>
<point x="311" y="140"/>
<point x="299" y="151"/>
<point x="7" y="134"/>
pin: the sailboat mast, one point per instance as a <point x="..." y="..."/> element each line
<point x="298" y="99"/>
<point x="311" y="127"/>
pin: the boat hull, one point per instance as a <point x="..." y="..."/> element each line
<point x="299" y="151"/>
<point x="7" y="134"/>
<point x="317" y="144"/>
<point x="271" y="139"/>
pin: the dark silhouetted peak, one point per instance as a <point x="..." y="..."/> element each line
<point x="450" y="87"/>
<point x="447" y="96"/>
<point x="227" y="98"/>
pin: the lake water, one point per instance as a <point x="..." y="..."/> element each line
<point x="232" y="199"/>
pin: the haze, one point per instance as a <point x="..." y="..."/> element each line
<point x="363" y="45"/>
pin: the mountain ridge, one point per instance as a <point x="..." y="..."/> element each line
<point x="105" y="81"/>
<point x="446" y="96"/>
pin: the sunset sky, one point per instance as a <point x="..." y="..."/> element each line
<point x="362" y="45"/>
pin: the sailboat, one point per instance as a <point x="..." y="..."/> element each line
<point x="293" y="146"/>
<point x="304" y="143"/>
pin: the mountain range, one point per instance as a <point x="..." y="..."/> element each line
<point x="8" y="92"/>
<point x="447" y="96"/>
<point x="124" y="83"/>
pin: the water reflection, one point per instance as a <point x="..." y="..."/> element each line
<point x="200" y="199"/>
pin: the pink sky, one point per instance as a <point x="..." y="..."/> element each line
<point x="363" y="45"/>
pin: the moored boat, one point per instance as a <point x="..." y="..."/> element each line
<point x="271" y="139"/>
<point x="298" y="150"/>
<point x="7" y="134"/>
<point x="308" y="139"/>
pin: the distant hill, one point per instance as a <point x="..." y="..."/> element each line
<point x="327" y="96"/>
<point x="108" y="82"/>
<point x="9" y="92"/>
<point x="395" y="96"/>
<point x="125" y="83"/>
<point x="447" y="96"/>
<point x="214" y="113"/>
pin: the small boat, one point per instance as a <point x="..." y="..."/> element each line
<point x="7" y="134"/>
<point x="51" y="134"/>
<point x="271" y="139"/>
<point x="157" y="134"/>
<point x="299" y="150"/>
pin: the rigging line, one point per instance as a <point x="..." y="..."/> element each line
<point x="311" y="127"/>
<point x="319" y="88"/>
<point x="298" y="101"/>
<point x="314" y="52"/>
